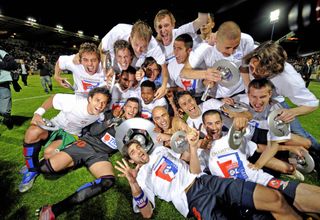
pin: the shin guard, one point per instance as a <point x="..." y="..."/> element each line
<point x="31" y="155"/>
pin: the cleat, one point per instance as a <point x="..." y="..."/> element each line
<point x="23" y="170"/>
<point x="27" y="181"/>
<point x="45" y="213"/>
<point x="296" y="175"/>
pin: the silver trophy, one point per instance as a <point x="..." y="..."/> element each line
<point x="179" y="142"/>
<point x="205" y="94"/>
<point x="139" y="129"/>
<point x="236" y="107"/>
<point x="304" y="164"/>
<point x="235" y="138"/>
<point x="277" y="127"/>
<point x="48" y="125"/>
<point x="230" y="73"/>
<point x="107" y="64"/>
<point x="68" y="84"/>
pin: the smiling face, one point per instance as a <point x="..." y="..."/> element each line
<point x="259" y="98"/>
<point x="188" y="104"/>
<point x="124" y="58"/>
<point x="256" y="70"/>
<point x="90" y="62"/>
<point x="97" y="103"/>
<point x="213" y="125"/>
<point x="161" y="118"/>
<point x="130" y="109"/>
<point x="164" y="27"/>
<point x="147" y="95"/>
<point x="227" y="46"/>
<point x="137" y="154"/>
<point x="180" y="51"/>
<point x="139" y="45"/>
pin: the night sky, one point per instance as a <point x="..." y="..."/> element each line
<point x="93" y="18"/>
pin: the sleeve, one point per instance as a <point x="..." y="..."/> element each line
<point x="294" y="88"/>
<point x="197" y="57"/>
<point x="142" y="181"/>
<point x="64" y="102"/>
<point x="66" y="62"/>
<point x="8" y="63"/>
<point x="156" y="53"/>
<point x="186" y="28"/>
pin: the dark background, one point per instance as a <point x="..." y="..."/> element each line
<point x="98" y="17"/>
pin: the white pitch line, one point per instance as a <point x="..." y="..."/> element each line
<point x="34" y="97"/>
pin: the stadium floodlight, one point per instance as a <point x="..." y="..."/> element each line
<point x="31" y="20"/>
<point x="80" y="33"/>
<point x="59" y="27"/>
<point x="274" y="18"/>
<point x="95" y="37"/>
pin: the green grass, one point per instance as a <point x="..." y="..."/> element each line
<point x="113" y="204"/>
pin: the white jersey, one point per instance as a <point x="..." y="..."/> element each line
<point x="73" y="115"/>
<point x="184" y="29"/>
<point x="174" y="70"/>
<point x="204" y="106"/>
<point x="122" y="32"/>
<point x="119" y="96"/>
<point x="167" y="177"/>
<point x="83" y="82"/>
<point x="290" y="84"/>
<point x="146" y="111"/>
<point x="229" y="163"/>
<point x="260" y="119"/>
<point x="212" y="55"/>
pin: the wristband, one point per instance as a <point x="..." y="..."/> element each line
<point x="40" y="111"/>
<point x="141" y="200"/>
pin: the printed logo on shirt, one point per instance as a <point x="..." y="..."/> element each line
<point x="88" y="85"/>
<point x="189" y="84"/>
<point x="277" y="184"/>
<point x="117" y="105"/>
<point x="166" y="169"/>
<point x="254" y="124"/>
<point x="146" y="114"/>
<point x="238" y="55"/>
<point x="109" y="140"/>
<point x="232" y="166"/>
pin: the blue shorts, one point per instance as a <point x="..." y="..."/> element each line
<point x="287" y="188"/>
<point x="209" y="195"/>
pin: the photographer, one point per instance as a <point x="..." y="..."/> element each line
<point x="45" y="73"/>
<point x="7" y="64"/>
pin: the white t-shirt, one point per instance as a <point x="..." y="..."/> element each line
<point x="204" y="106"/>
<point x="211" y="55"/>
<point x="83" y="82"/>
<point x="122" y="32"/>
<point x="290" y="84"/>
<point x="146" y="111"/>
<point x="174" y="70"/>
<point x="167" y="177"/>
<point x="229" y="163"/>
<point x="73" y="115"/>
<point x="184" y="29"/>
<point x="119" y="96"/>
<point x="260" y="119"/>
